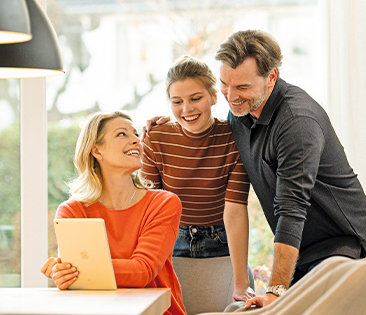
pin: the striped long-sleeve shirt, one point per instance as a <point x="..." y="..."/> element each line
<point x="204" y="170"/>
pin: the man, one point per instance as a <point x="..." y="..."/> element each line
<point x="310" y="195"/>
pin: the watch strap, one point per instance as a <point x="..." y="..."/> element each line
<point x="277" y="290"/>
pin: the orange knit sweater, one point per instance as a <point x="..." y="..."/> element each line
<point x="141" y="240"/>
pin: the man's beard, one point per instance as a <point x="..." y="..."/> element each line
<point x="252" y="104"/>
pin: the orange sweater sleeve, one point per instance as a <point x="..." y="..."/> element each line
<point x="158" y="234"/>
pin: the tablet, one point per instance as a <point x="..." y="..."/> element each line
<point x="84" y="244"/>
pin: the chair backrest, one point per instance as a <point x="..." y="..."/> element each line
<point x="207" y="283"/>
<point x="336" y="286"/>
<point x="342" y="292"/>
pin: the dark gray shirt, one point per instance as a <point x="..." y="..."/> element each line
<point x="310" y="195"/>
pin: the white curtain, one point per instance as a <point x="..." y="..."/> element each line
<point x="344" y="53"/>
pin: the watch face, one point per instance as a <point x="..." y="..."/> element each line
<point x="280" y="290"/>
<point x="277" y="290"/>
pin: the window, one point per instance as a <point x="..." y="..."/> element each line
<point x="9" y="184"/>
<point x="116" y="55"/>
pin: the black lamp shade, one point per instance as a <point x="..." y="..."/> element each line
<point x="38" y="57"/>
<point x="14" y="22"/>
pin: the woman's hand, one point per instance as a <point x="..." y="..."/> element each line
<point x="47" y="267"/>
<point x="63" y="274"/>
<point x="245" y="295"/>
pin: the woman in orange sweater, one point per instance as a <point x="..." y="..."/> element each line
<point x="142" y="224"/>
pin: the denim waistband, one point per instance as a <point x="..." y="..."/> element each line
<point x="201" y="230"/>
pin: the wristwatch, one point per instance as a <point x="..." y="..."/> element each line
<point x="277" y="290"/>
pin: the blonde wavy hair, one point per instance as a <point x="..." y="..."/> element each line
<point x="87" y="187"/>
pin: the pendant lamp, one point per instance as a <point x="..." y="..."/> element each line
<point x="14" y="22"/>
<point x="38" y="57"/>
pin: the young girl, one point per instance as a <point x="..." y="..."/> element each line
<point x="196" y="158"/>
<point x="141" y="224"/>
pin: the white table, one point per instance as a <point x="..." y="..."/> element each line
<point x="147" y="301"/>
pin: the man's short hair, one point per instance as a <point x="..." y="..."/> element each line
<point x="251" y="43"/>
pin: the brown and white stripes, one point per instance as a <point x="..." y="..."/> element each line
<point x="204" y="170"/>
